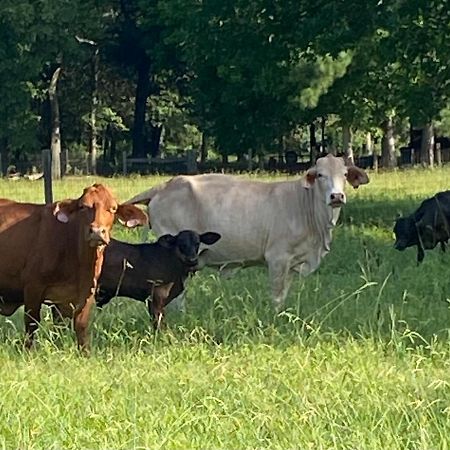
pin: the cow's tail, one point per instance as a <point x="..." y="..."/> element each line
<point x="144" y="197"/>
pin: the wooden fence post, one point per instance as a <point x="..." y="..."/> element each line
<point x="438" y="154"/>
<point x="124" y="163"/>
<point x="250" y="160"/>
<point x="47" y="165"/>
<point x="64" y="162"/>
<point x="191" y="162"/>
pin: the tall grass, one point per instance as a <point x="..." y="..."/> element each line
<point x="358" y="360"/>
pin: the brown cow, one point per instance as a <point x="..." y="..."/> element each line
<point x="55" y="253"/>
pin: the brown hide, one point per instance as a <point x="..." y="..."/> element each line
<point x="55" y="253"/>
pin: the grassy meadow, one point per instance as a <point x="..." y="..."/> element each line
<point x="360" y="359"/>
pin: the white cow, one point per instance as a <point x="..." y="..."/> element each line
<point x="285" y="224"/>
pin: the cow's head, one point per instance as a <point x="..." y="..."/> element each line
<point x="405" y="233"/>
<point x="329" y="175"/>
<point x="96" y="211"/>
<point x="186" y="245"/>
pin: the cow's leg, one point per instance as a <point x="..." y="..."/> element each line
<point x="228" y="272"/>
<point x="57" y="316"/>
<point x="176" y="295"/>
<point x="32" y="316"/>
<point x="62" y="311"/>
<point x="280" y="280"/>
<point x="8" y="309"/>
<point x="81" y="324"/>
<point x="156" y="305"/>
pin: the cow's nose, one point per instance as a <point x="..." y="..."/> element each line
<point x="337" y="199"/>
<point x="191" y="263"/>
<point x="99" y="235"/>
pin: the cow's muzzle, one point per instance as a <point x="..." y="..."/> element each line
<point x="98" y="236"/>
<point x="337" y="199"/>
<point x="191" y="264"/>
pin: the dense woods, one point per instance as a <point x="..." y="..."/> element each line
<point x="243" y="79"/>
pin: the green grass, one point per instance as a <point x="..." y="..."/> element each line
<point x="359" y="360"/>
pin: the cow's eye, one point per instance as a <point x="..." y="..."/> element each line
<point x="113" y="209"/>
<point x="319" y="175"/>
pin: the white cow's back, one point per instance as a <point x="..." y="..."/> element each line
<point x="248" y="214"/>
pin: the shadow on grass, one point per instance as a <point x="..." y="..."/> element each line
<point x="380" y="211"/>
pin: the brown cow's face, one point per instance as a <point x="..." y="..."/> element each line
<point x="96" y="210"/>
<point x="99" y="207"/>
<point x="329" y="175"/>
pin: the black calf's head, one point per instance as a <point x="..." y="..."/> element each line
<point x="405" y="233"/>
<point x="426" y="227"/>
<point x="186" y="245"/>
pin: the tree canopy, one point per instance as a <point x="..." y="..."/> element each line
<point x="148" y="76"/>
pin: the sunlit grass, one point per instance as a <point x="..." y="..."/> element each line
<point x="359" y="359"/>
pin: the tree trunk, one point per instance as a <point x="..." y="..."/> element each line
<point x="55" y="145"/>
<point x="438" y="154"/>
<point x="388" y="156"/>
<point x="140" y="106"/>
<point x="3" y="156"/>
<point x="104" y="145"/>
<point x="281" y="151"/>
<point x="250" y="160"/>
<point x="347" y="142"/>
<point x="261" y="158"/>
<point x="427" y="145"/>
<point x="92" y="162"/>
<point x="224" y="158"/>
<point x="312" y="143"/>
<point x="155" y="139"/>
<point x="370" y="150"/>
<point x="112" y="146"/>
<point x="322" y="134"/>
<point x="369" y="143"/>
<point x="203" y="149"/>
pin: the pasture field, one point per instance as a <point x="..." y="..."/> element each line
<point x="360" y="359"/>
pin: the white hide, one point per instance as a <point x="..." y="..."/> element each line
<point x="286" y="225"/>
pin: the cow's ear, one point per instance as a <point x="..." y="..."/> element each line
<point x="131" y="216"/>
<point x="310" y="177"/>
<point x="356" y="176"/>
<point x="63" y="210"/>
<point x="209" y="237"/>
<point x="167" y="241"/>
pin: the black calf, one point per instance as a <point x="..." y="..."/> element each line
<point x="156" y="271"/>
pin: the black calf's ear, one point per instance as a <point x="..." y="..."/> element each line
<point x="209" y="237"/>
<point x="167" y="241"/>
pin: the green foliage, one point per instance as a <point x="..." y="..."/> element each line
<point x="246" y="73"/>
<point x="106" y="117"/>
<point x="319" y="75"/>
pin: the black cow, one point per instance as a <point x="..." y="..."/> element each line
<point x="156" y="271"/>
<point x="428" y="226"/>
